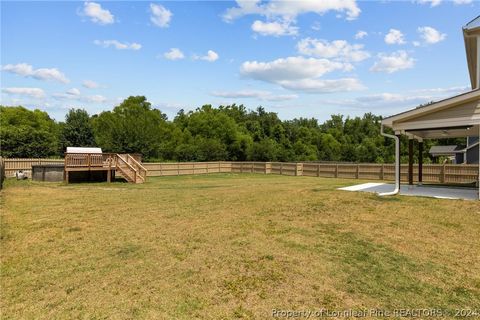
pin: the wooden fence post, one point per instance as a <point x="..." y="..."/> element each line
<point x="382" y="172"/>
<point x="318" y="170"/>
<point x="358" y="171"/>
<point x="336" y="170"/>
<point x="442" y="174"/>
<point x="281" y="168"/>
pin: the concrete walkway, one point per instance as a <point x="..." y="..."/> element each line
<point x="439" y="192"/>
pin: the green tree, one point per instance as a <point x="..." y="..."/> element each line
<point x="132" y="127"/>
<point x="27" y="134"/>
<point x="77" y="131"/>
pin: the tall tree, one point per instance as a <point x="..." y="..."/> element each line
<point x="27" y="134"/>
<point x="132" y="127"/>
<point x="77" y="131"/>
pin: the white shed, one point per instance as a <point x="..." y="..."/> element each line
<point x="83" y="150"/>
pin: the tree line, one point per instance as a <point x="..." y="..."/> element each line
<point x="231" y="133"/>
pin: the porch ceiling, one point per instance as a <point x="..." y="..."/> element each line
<point x="446" y="132"/>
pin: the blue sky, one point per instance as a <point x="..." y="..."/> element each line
<point x="299" y="59"/>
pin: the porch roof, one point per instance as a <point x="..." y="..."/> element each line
<point x="458" y="116"/>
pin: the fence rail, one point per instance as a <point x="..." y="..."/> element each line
<point x="432" y="173"/>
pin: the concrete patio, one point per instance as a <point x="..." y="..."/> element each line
<point x="439" y="192"/>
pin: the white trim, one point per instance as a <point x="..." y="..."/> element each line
<point x="432" y="124"/>
<point x="473" y="145"/>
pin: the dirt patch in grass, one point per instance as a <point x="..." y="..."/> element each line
<point x="230" y="246"/>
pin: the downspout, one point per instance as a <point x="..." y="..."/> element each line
<point x="478" y="63"/>
<point x="397" y="163"/>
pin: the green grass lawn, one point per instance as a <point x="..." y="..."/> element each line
<point x="230" y="246"/>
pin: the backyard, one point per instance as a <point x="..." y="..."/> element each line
<point x="230" y="246"/>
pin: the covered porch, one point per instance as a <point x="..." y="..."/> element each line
<point x="456" y="117"/>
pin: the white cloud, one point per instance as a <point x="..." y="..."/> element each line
<point x="73" y="92"/>
<point x="254" y="94"/>
<point x="399" y="101"/>
<point x="301" y="74"/>
<point x="291" y="68"/>
<point x="95" y="98"/>
<point x="161" y="16"/>
<point x="22" y="69"/>
<point x="433" y="3"/>
<point x="97" y="14"/>
<point x="30" y="92"/>
<point x="394" y="36"/>
<point x="174" y="54"/>
<point x="118" y="45"/>
<point x="274" y="28"/>
<point x="75" y="95"/>
<point x="338" y="49"/>
<point x="361" y="34"/>
<point x="431" y="35"/>
<point x="89" y="84"/>
<point x="394" y="62"/>
<point x="460" y="2"/>
<point x="289" y="10"/>
<point x="323" y="86"/>
<point x="449" y="91"/>
<point x="50" y="74"/>
<point x="316" y="26"/>
<point x="210" y="57"/>
<point x="26" y="70"/>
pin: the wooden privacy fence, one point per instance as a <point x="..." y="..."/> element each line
<point x="12" y="165"/>
<point x="2" y="172"/>
<point x="432" y="173"/>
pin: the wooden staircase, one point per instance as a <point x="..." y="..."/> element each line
<point x="130" y="168"/>
<point x="123" y="164"/>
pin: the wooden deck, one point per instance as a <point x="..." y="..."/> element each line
<point x="125" y="164"/>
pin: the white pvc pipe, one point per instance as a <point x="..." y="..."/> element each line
<point x="397" y="164"/>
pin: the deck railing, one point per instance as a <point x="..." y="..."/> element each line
<point x="90" y="160"/>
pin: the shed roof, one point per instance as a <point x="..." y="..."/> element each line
<point x="83" y="150"/>
<point x="446" y="150"/>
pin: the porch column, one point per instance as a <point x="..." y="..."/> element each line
<point x="420" y="162"/>
<point x="410" y="162"/>
<point x="399" y="161"/>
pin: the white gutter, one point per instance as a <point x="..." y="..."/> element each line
<point x="397" y="163"/>
<point x="478" y="63"/>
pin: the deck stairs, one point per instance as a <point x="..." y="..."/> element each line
<point x="130" y="169"/>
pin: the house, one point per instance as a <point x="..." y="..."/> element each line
<point x="456" y="154"/>
<point x="472" y="152"/>
<point x="454" y="117"/>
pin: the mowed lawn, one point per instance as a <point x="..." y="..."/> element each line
<point x="230" y="246"/>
